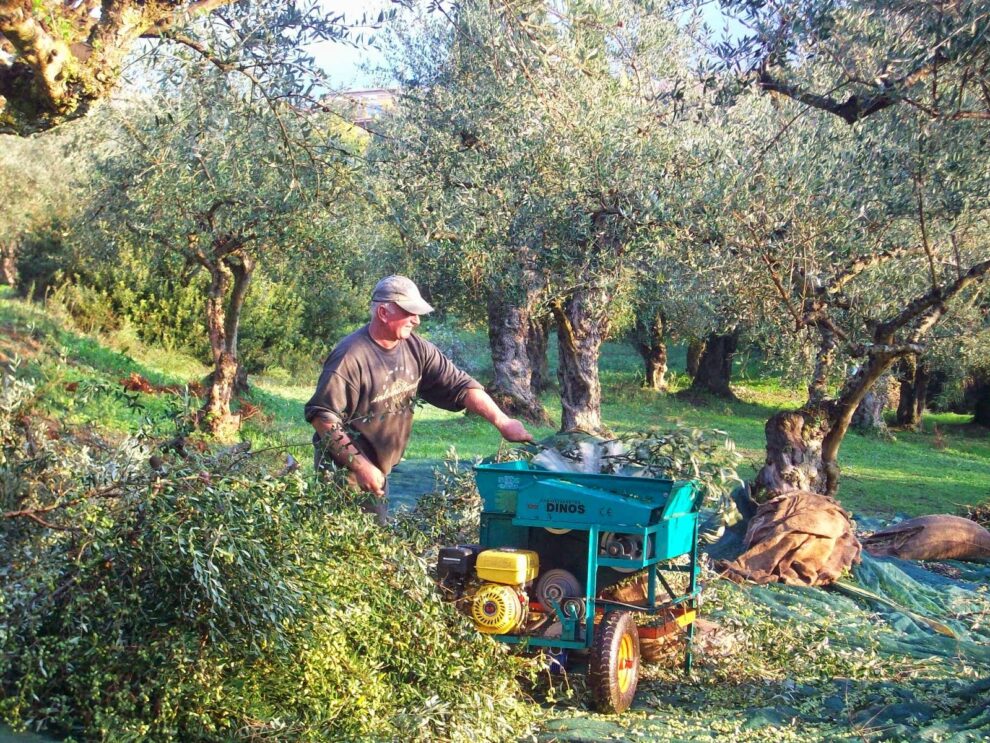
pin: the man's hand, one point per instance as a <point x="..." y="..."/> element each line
<point x="480" y="403"/>
<point x="368" y="477"/>
<point x="513" y="430"/>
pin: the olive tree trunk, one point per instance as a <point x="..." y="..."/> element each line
<point x="715" y="365"/>
<point x="509" y="328"/>
<point x="223" y="314"/>
<point x="8" y="263"/>
<point x="694" y="350"/>
<point x="803" y="445"/>
<point x="537" y="338"/>
<point x="868" y="417"/>
<point x="582" y="322"/>
<point x="913" y="377"/>
<point x="979" y="392"/>
<point x="648" y="340"/>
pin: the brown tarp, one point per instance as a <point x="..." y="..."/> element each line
<point x="936" y="537"/>
<point x="799" y="538"/>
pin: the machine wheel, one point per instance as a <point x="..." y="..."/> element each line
<point x="637" y="544"/>
<point x="613" y="668"/>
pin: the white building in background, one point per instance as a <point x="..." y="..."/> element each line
<point x="364" y="106"/>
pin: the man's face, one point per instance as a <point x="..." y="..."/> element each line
<point x="399" y="324"/>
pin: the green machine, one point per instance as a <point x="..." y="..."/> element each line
<point x="551" y="542"/>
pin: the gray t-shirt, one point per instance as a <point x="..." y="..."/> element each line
<point x="371" y="390"/>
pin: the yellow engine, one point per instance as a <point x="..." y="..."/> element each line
<point x="498" y="609"/>
<point x="507" y="566"/>
<point x="500" y="604"/>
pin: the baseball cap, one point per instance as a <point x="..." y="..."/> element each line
<point x="403" y="292"/>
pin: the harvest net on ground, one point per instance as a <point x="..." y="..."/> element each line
<point x="896" y="651"/>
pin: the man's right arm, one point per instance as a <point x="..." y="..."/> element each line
<point x="335" y="393"/>
<point x="337" y="444"/>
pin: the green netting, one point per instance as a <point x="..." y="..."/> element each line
<point x="898" y="651"/>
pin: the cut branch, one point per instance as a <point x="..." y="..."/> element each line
<point x="851" y="110"/>
<point x="854" y="107"/>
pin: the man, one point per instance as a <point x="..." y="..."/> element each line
<point x="363" y="405"/>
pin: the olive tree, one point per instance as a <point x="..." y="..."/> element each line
<point x="864" y="239"/>
<point x="532" y="151"/>
<point x="868" y="55"/>
<point x="211" y="176"/>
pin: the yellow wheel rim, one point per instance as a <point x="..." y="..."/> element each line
<point x="625" y="664"/>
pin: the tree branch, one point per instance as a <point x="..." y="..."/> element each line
<point x="854" y="107"/>
<point x="67" y="58"/>
<point x="860" y="264"/>
<point x="38" y="51"/>
<point x="242" y="267"/>
<point x="35" y="514"/>
<point x="938" y="309"/>
<point x="851" y="110"/>
<point x="933" y="303"/>
<point x="924" y="233"/>
<point x="784" y="296"/>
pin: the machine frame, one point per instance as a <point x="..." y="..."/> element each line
<point x="517" y="496"/>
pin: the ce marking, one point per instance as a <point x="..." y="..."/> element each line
<point x="605" y="512"/>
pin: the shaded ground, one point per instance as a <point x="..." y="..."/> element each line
<point x="409" y="480"/>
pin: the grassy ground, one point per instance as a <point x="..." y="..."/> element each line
<point x="915" y="473"/>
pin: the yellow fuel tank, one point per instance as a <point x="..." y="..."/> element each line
<point x="508" y="566"/>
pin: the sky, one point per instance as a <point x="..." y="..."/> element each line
<point x="343" y="62"/>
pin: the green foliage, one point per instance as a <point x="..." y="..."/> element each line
<point x="709" y="457"/>
<point x="207" y="598"/>
<point x="467" y="350"/>
<point x="165" y="310"/>
<point x="749" y="663"/>
<point x="451" y="513"/>
<point x="42" y="259"/>
<point x="89" y="309"/>
<point x="529" y="147"/>
<point x="332" y="306"/>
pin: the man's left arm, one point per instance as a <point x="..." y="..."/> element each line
<point x="480" y="403"/>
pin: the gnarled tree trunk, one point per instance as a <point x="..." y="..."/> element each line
<point x="232" y="272"/>
<point x="913" y="378"/>
<point x="537" y="339"/>
<point x="582" y="322"/>
<point x="694" y="350"/>
<point x="648" y="340"/>
<point x="978" y="391"/>
<point x="868" y="417"/>
<point x="8" y="263"/>
<point x="715" y="365"/>
<point x="509" y="328"/>
<point x="803" y="445"/>
<point x="794" y="453"/>
<point x="794" y="439"/>
<point x="67" y="57"/>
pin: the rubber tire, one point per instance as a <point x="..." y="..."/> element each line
<point x="605" y="676"/>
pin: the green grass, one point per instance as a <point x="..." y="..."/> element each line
<point x="906" y="475"/>
<point x="82" y="374"/>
